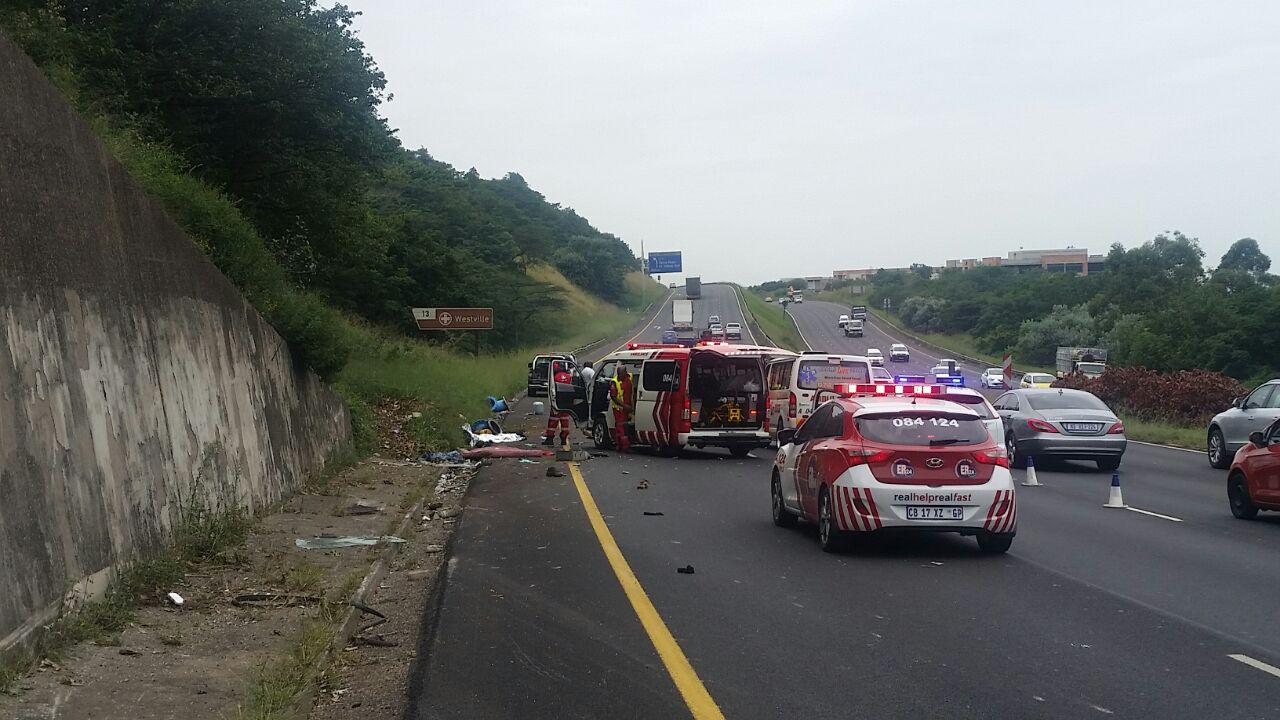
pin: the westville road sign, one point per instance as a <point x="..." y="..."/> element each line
<point x="453" y="318"/>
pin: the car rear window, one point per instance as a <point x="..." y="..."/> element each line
<point x="1066" y="401"/>
<point x="922" y="428"/>
<point x="826" y="375"/>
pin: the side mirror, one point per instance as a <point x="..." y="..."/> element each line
<point x="530" y="366"/>
<point x="1238" y="402"/>
<point x="1258" y="439"/>
<point x="786" y="437"/>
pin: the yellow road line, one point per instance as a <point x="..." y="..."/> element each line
<point x="682" y="673"/>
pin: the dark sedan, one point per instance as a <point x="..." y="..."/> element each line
<point x="1060" y="423"/>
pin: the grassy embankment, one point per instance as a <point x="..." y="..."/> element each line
<point x="770" y="318"/>
<point x="453" y="385"/>
<point x="1151" y="431"/>
<point x="364" y="363"/>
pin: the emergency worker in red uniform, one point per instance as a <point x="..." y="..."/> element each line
<point x="621" y="400"/>
<point x="560" y="375"/>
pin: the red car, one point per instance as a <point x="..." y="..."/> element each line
<point x="1254" y="481"/>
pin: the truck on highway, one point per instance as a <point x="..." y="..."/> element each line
<point x="693" y="288"/>
<point x="1088" y="361"/>
<point x="858" y="312"/>
<point x="681" y="315"/>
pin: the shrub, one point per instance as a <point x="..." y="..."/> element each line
<point x="1189" y="397"/>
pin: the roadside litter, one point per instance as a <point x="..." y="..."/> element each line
<point x="453" y="456"/>
<point x="554" y="471"/>
<point x="330" y="542"/>
<point x="364" y="507"/>
<point x="273" y="600"/>
<point x="489" y="439"/>
<point x="504" y="451"/>
<point x="686" y="570"/>
<point x="527" y="461"/>
<point x="498" y="405"/>
<point x="175" y="599"/>
<point x="644" y="485"/>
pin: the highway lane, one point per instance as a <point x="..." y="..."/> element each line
<point x="1093" y="612"/>
<point x="1209" y="569"/>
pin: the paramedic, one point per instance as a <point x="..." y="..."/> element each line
<point x="620" y="399"/>
<point x="560" y="375"/>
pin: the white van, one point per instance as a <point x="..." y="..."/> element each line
<point x="793" y="383"/>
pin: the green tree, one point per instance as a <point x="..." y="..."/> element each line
<point x="1245" y="255"/>
<point x="1038" y="340"/>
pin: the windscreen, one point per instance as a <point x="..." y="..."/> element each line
<point x="1091" y="368"/>
<point x="825" y="375"/>
<point x="995" y="371"/>
<point x="927" y="429"/>
<point x="1066" y="401"/>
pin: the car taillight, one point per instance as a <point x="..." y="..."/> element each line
<point x="992" y="457"/>
<point x="687" y="416"/>
<point x="858" y="456"/>
<point x="1117" y="429"/>
<point x="694" y="410"/>
<point x="792" y="402"/>
<point x="1041" y="426"/>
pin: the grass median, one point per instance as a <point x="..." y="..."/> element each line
<point x="770" y="318"/>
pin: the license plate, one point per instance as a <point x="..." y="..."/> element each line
<point x="1082" y="427"/>
<point x="933" y="512"/>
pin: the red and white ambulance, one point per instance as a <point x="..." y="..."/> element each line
<point x="709" y="395"/>
<point x="892" y="458"/>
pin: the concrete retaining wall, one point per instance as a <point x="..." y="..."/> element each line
<point x="134" y="378"/>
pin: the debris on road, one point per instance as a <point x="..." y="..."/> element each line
<point x="646" y="512"/>
<point x="321" y="542"/>
<point x="175" y="599"/>
<point x="506" y="452"/>
<point x="644" y="485"/>
<point x="489" y="439"/>
<point x="554" y="471"/>
<point x="365" y="507"/>
<point x="686" y="570"/>
<point x="273" y="600"/>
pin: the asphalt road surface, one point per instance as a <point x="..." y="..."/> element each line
<point x="1094" y="612"/>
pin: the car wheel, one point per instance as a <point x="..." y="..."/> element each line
<point x="993" y="543"/>
<point x="830" y="538"/>
<point x="1108" y="464"/>
<point x="1238" y="495"/>
<point x="1218" y="456"/>
<point x="1016" y="460"/>
<point x="600" y="434"/>
<point x="781" y="517"/>
<point x="739" y="451"/>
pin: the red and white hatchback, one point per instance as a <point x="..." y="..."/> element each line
<point x="886" y="458"/>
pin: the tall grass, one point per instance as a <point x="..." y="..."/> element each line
<point x="770" y="318"/>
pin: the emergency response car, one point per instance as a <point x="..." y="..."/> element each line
<point x="895" y="458"/>
<point x="710" y="395"/>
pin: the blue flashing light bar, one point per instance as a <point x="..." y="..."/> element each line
<point x="906" y="379"/>
<point x="955" y="380"/>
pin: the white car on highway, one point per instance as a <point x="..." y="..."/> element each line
<point x="899" y="353"/>
<point x="895" y="458"/>
<point x="844" y="320"/>
<point x="733" y="331"/>
<point x="993" y="378"/>
<point x="875" y="356"/>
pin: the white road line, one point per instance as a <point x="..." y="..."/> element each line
<point x="1256" y="664"/>
<point x="1152" y="514"/>
<point x="796" y="324"/>
<point x="1169" y="447"/>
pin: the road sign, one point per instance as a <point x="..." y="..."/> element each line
<point x="1006" y="364"/>
<point x="453" y="318"/>
<point x="665" y="262"/>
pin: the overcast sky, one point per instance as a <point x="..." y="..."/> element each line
<point x="777" y="139"/>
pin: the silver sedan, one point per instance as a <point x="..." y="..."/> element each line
<point x="1060" y="423"/>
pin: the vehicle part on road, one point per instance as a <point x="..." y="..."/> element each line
<point x="989" y="542"/>
<point x="1115" y="499"/>
<point x="831" y="539"/>
<point x="1238" y="496"/>
<point x="323" y="542"/>
<point x="1032" y="480"/>
<point x="781" y="516"/>
<point x="686" y="570"/>
<point x="1218" y="456"/>
<point x="646" y="512"/>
